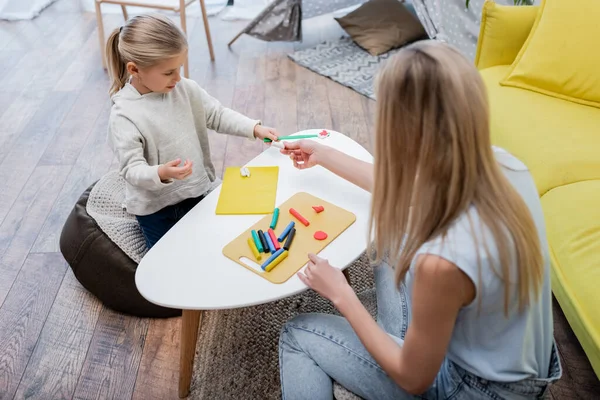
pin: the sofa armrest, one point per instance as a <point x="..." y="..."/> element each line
<point x="503" y="31"/>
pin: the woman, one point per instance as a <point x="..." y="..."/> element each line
<point x="465" y="310"/>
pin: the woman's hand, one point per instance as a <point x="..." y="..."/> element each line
<point x="172" y="170"/>
<point x="264" y="132"/>
<point x="304" y="153"/>
<point x="326" y="280"/>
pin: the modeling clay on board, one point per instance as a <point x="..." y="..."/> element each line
<point x="319" y="209"/>
<point x="270" y="243"/>
<point x="254" y="249"/>
<point x="290" y="238"/>
<point x="263" y="241"/>
<point x="320" y="235"/>
<point x="273" y="239"/>
<point x="286" y="231"/>
<point x="299" y="217"/>
<point x="275" y="218"/>
<point x="257" y="242"/>
<point x="271" y="258"/>
<point x="276" y="261"/>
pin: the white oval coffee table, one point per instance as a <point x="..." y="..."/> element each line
<point x="186" y="269"/>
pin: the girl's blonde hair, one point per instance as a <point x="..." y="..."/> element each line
<point x="433" y="152"/>
<point x="144" y="40"/>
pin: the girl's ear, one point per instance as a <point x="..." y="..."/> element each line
<point x="132" y="69"/>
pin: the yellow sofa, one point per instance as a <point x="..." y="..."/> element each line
<point x="559" y="141"/>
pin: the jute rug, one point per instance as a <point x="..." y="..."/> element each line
<point x="237" y="353"/>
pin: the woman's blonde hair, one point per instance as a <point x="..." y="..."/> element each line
<point x="144" y="40"/>
<point x="433" y="152"/>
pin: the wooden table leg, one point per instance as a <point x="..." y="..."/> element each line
<point x="190" y="322"/>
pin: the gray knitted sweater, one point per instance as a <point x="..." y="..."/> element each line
<point x="148" y="130"/>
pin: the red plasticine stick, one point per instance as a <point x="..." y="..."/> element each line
<point x="274" y="239"/>
<point x="299" y="217"/>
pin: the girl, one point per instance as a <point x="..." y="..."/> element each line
<point x="158" y="119"/>
<point x="467" y="312"/>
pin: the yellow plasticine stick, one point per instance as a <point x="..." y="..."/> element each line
<point x="276" y="261"/>
<point x="254" y="249"/>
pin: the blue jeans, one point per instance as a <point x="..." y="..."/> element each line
<point x="154" y="226"/>
<point x="315" y="349"/>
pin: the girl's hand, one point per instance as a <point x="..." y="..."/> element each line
<point x="304" y="153"/>
<point x="263" y="132"/>
<point x="326" y="280"/>
<point x="172" y="170"/>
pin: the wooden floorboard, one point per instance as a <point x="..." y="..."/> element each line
<point x="113" y="358"/>
<point x="23" y="314"/>
<point x="55" y="366"/>
<point x="20" y="230"/>
<point x="158" y="373"/>
<point x="57" y="340"/>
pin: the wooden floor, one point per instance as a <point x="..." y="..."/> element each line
<point x="56" y="340"/>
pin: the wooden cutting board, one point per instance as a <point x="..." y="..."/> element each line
<point x="333" y="221"/>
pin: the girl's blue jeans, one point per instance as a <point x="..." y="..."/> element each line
<point x="154" y="226"/>
<point x="315" y="349"/>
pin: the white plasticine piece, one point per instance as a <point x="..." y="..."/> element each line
<point x="245" y="172"/>
<point x="279" y="145"/>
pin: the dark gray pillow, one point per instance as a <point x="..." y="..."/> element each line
<point x="379" y="26"/>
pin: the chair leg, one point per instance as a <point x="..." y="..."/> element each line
<point x="182" y="14"/>
<point x="207" y="30"/>
<point x="125" y="15"/>
<point x="101" y="33"/>
<point x="236" y="37"/>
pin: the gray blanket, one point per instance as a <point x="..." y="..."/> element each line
<point x="282" y="19"/>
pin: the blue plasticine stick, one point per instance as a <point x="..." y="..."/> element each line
<point x="273" y="256"/>
<point x="285" y="232"/>
<point x="270" y="243"/>
<point x="275" y="218"/>
<point x="257" y="242"/>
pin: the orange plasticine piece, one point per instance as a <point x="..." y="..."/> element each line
<point x="299" y="217"/>
<point x="319" y="209"/>
<point x="320" y="235"/>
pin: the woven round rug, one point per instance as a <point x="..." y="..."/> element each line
<point x="237" y="352"/>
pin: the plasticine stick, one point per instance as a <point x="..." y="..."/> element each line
<point x="292" y="137"/>
<point x="269" y="243"/>
<point x="271" y="258"/>
<point x="286" y="231"/>
<point x="299" y="217"/>
<point x="289" y="239"/>
<point x="276" y="261"/>
<point x="275" y="218"/>
<point x="254" y="249"/>
<point x="263" y="241"/>
<point x="257" y="241"/>
<point x="273" y="239"/>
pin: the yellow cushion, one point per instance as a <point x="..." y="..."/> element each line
<point x="561" y="57"/>
<point x="558" y="140"/>
<point x="503" y="31"/>
<point x="572" y="216"/>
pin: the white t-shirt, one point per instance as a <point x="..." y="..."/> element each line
<point x="484" y="341"/>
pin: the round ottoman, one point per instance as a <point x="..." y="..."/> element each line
<point x="103" y="245"/>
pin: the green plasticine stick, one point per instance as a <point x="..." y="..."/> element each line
<point x="280" y="138"/>
<point x="275" y="218"/>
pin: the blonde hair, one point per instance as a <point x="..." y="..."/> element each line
<point x="433" y="151"/>
<point x="144" y="40"/>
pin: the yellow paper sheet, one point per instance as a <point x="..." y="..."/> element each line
<point x="248" y="195"/>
